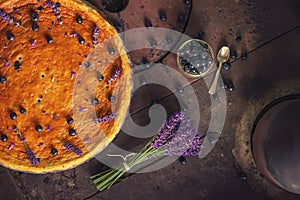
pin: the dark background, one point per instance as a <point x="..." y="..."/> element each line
<point x="269" y="33"/>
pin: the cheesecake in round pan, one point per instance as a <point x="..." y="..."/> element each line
<point x="65" y="84"/>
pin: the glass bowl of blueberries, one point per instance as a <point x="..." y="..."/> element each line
<point x="195" y="58"/>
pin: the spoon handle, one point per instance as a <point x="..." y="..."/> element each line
<point x="213" y="87"/>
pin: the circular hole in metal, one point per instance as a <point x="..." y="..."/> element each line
<point x="276" y="142"/>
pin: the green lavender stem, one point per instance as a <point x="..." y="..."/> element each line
<point x="106" y="179"/>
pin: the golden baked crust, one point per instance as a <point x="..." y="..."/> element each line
<point x="55" y="80"/>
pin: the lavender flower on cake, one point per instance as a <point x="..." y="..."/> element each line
<point x="106" y="118"/>
<point x="95" y="34"/>
<point x="114" y="76"/>
<point x="6" y="17"/>
<point x="72" y="148"/>
<point x="31" y="156"/>
<point x="56" y="12"/>
<point x="10" y="19"/>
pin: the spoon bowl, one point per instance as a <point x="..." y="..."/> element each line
<point x="223" y="54"/>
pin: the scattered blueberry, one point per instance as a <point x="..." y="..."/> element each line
<point x="4" y="138"/>
<point x="81" y="40"/>
<point x="148" y="24"/>
<point x="54" y="152"/>
<point x="95" y="102"/>
<point x="17" y="23"/>
<point x="70" y="120"/>
<point x="87" y="64"/>
<point x="40" y="8"/>
<point x="238" y="38"/>
<point x="243" y="177"/>
<point x="35" y="27"/>
<point x="215" y="97"/>
<point x="111" y="98"/>
<point x="143" y="81"/>
<point x="187" y="2"/>
<point x="38" y="128"/>
<point x="111" y="50"/>
<point x="50" y="40"/>
<point x="79" y="19"/>
<point x="244" y="56"/>
<point x="17" y="65"/>
<point x="182" y="160"/>
<point x="13" y="115"/>
<point x="201" y="35"/>
<point x="184" y="108"/>
<point x="22" y="111"/>
<point x="180" y="89"/>
<point x="233" y="54"/>
<point x="225" y="86"/>
<point x="153" y="42"/>
<point x="34" y="16"/>
<point x="226" y="66"/>
<point x="100" y="77"/>
<point x="205" y="46"/>
<point x="230" y="87"/>
<point x="58" y="4"/>
<point x="3" y="79"/>
<point x="162" y="15"/>
<point x="72" y="132"/>
<point x="10" y="36"/>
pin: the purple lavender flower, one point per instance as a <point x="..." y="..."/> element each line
<point x="31" y="156"/>
<point x="114" y="76"/>
<point x="5" y="16"/>
<point x="33" y="43"/>
<point x="74" y="34"/>
<point x="48" y="127"/>
<point x="7" y="63"/>
<point x="186" y="141"/>
<point x="178" y="136"/>
<point x="167" y="130"/>
<point x="73" y="75"/>
<point x="11" y="146"/>
<point x="72" y="148"/>
<point x="96" y="33"/>
<point x="55" y="10"/>
<point x="107" y="118"/>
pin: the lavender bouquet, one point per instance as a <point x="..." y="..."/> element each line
<point x="176" y="137"/>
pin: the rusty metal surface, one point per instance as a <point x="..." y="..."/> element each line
<point x="215" y="177"/>
<point x="260" y="80"/>
<point x="148" y="13"/>
<point x="8" y="189"/>
<point x="169" y="14"/>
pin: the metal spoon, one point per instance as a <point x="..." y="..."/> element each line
<point x="222" y="57"/>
